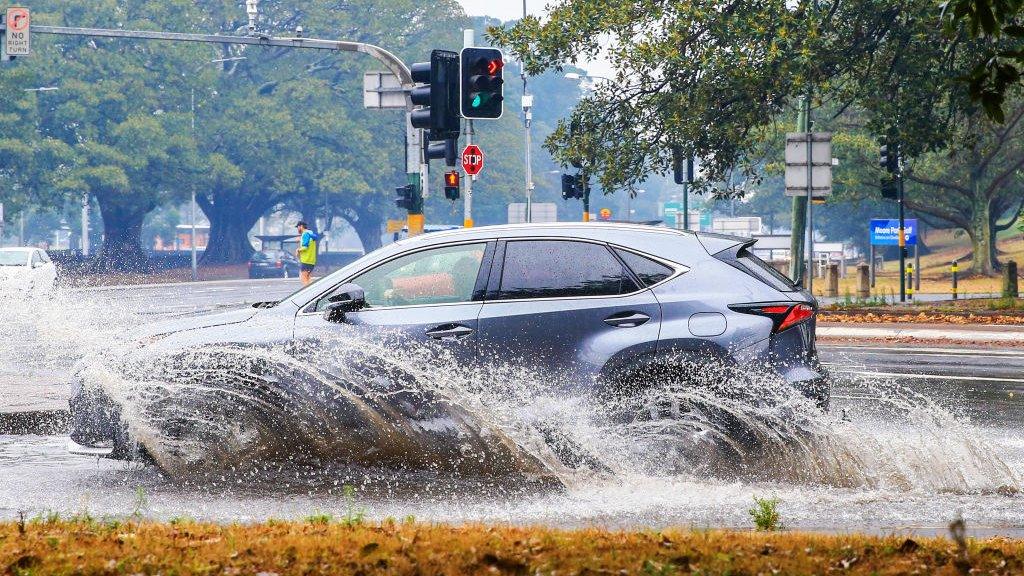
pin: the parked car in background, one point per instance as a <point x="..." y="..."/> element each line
<point x="26" y="271"/>
<point x="275" y="258"/>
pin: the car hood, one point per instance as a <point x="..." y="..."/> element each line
<point x="198" y="322"/>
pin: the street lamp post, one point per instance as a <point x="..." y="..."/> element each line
<point x="527" y="120"/>
<point x="192" y="208"/>
<point x="85" y="225"/>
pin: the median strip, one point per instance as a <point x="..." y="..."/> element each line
<point x="321" y="546"/>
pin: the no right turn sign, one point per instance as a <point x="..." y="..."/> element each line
<point x="17" y="42"/>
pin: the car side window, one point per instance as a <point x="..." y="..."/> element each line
<point x="648" y="271"/>
<point x="437" y="276"/>
<point x="561" y="268"/>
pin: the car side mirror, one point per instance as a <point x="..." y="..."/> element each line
<point x="346" y="298"/>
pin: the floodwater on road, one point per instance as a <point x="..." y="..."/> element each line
<point x="895" y="454"/>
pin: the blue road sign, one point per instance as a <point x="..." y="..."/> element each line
<point x="886" y="232"/>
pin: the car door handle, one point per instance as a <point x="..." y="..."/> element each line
<point x="627" y="319"/>
<point x="449" y="331"/>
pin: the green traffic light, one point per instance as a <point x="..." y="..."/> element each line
<point x="479" y="99"/>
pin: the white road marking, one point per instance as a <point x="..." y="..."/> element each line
<point x="929" y="376"/>
<point x="927" y="351"/>
<point x="1010" y="335"/>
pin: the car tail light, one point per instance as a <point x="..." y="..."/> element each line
<point x="279" y="264"/>
<point x="783" y="315"/>
<point x="250" y="264"/>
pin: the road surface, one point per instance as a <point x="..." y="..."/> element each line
<point x="928" y="431"/>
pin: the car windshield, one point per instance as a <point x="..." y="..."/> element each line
<point x="14" y="258"/>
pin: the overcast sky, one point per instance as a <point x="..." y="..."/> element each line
<point x="510" y="9"/>
<point x="504" y="9"/>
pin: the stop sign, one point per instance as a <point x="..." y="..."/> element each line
<point x="472" y="159"/>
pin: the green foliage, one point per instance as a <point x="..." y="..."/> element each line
<point x="718" y="78"/>
<point x="765" y="514"/>
<point x="319" y="518"/>
<point x="141" y="503"/>
<point x="354" y="515"/>
<point x="1000" y="25"/>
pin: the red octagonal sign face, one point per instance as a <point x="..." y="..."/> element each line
<point x="472" y="159"/>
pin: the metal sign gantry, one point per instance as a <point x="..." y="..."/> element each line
<point x="416" y="163"/>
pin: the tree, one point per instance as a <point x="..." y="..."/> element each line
<point x="976" y="184"/>
<point x="712" y="77"/>
<point x="110" y="110"/>
<point x="1000" y="25"/>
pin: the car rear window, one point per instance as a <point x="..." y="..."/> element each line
<point x="648" y="271"/>
<point x="561" y="268"/>
<point x="763" y="271"/>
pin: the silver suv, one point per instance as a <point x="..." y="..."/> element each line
<point x="602" y="306"/>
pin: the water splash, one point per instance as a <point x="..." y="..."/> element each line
<point x="377" y="403"/>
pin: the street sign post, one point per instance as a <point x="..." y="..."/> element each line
<point x="796" y="164"/>
<point x="383" y="90"/>
<point x="18" y="39"/>
<point x="472" y="159"/>
<point x="886" y="231"/>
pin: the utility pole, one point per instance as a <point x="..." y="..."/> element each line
<point x="192" y="207"/>
<point x="527" y="120"/>
<point x="810" y="200"/>
<point x="85" y="225"/>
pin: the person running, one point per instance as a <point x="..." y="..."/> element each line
<point x="306" y="252"/>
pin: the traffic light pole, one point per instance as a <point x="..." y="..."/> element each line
<point x="586" y="200"/>
<point x="468" y="41"/>
<point x="903" y="243"/>
<point x="467" y="199"/>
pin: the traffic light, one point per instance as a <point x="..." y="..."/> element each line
<point x="890" y="188"/>
<point x="482" y="84"/>
<point x="445" y="150"/>
<point x="889" y="158"/>
<point x="406" y="199"/>
<point x="437" y="94"/>
<point x="682" y="168"/>
<point x="451" y="185"/>
<point x="568" y="186"/>
<point x="573" y="186"/>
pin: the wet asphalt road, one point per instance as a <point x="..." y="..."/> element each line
<point x="942" y="466"/>
<point x="184" y="298"/>
<point x="994" y="376"/>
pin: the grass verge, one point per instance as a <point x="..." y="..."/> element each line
<point x="1004" y="311"/>
<point x="87" y="546"/>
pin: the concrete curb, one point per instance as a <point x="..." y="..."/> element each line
<point x="952" y="333"/>
<point x="41" y="422"/>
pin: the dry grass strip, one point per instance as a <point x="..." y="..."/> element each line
<point x="91" y="547"/>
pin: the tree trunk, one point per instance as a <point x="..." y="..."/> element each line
<point x="229" y="235"/>
<point x="121" y="250"/>
<point x="367" y="227"/>
<point x="982" y="238"/>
